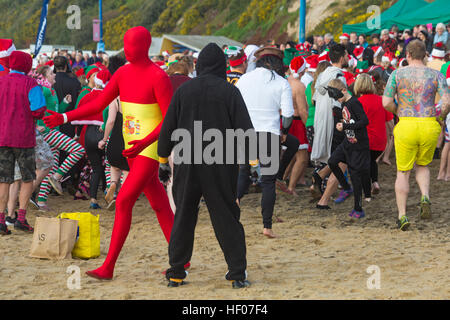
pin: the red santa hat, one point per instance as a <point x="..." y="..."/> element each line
<point x="166" y="53"/>
<point x="358" y="52"/>
<point x="349" y="77"/>
<point x="312" y="62"/>
<point x="324" y="56"/>
<point x="102" y="78"/>
<point x="391" y="35"/>
<point x="6" y="48"/>
<point x="352" y="62"/>
<point x="389" y="57"/>
<point x="344" y="36"/>
<point x="100" y="65"/>
<point x="438" y="51"/>
<point x="80" y="73"/>
<point x="377" y="50"/>
<point x="297" y="66"/>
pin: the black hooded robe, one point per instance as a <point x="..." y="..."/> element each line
<point x="209" y="98"/>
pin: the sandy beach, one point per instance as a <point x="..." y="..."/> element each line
<point x="319" y="255"/>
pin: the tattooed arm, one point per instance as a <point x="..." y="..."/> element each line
<point x="389" y="94"/>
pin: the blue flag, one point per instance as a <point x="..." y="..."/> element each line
<point x="42" y="27"/>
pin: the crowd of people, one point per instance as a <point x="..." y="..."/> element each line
<point x="338" y="108"/>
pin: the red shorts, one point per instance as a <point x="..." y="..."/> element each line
<point x="298" y="130"/>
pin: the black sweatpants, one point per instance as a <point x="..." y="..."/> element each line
<point x="267" y="182"/>
<point x="217" y="184"/>
<point x="358" y="162"/>
<point x="95" y="156"/>
<point x="374" y="155"/>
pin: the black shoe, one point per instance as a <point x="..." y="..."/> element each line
<point x="23" y="226"/>
<point x="239" y="284"/>
<point x="11" y="221"/>
<point x="323" y="207"/>
<point x="4" y="230"/>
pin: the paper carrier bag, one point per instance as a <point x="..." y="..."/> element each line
<point x="53" y="238"/>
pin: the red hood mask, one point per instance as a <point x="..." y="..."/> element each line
<point x="137" y="43"/>
<point x="20" y="61"/>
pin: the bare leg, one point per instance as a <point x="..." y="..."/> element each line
<point x="12" y="199"/>
<point x="301" y="162"/>
<point x="423" y="180"/>
<point x="332" y="186"/>
<point x="401" y="191"/>
<point x="25" y="194"/>
<point x="447" y="176"/>
<point x="40" y="175"/>
<point x="390" y="142"/>
<point x="4" y="192"/>
<point x="443" y="169"/>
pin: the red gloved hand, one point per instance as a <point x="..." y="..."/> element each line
<point x="138" y="147"/>
<point x="56" y="119"/>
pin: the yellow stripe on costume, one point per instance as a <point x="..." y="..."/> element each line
<point x="139" y="120"/>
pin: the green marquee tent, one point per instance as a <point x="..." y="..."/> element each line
<point x="400" y="8"/>
<point x="435" y="12"/>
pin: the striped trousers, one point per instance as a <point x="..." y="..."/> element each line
<point x="60" y="142"/>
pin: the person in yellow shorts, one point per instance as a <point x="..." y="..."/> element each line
<point x="410" y="93"/>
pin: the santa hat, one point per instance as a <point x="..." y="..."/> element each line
<point x="344" y="36"/>
<point x="324" y="56"/>
<point x="6" y="48"/>
<point x="352" y="62"/>
<point x="312" y="62"/>
<point x="302" y="49"/>
<point x="438" y="51"/>
<point x="389" y="57"/>
<point x="166" y="54"/>
<point x="80" y="73"/>
<point x="358" y="52"/>
<point x="50" y="63"/>
<point x="89" y="71"/>
<point x="391" y="35"/>
<point x="102" y="78"/>
<point x="349" y="78"/>
<point x="377" y="50"/>
<point x="297" y="66"/>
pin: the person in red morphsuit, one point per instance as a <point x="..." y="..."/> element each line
<point x="145" y="93"/>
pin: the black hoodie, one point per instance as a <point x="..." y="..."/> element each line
<point x="208" y="98"/>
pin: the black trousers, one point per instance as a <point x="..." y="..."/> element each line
<point x="358" y="162"/>
<point x="267" y="182"/>
<point x="217" y="184"/>
<point x="374" y="165"/>
<point x="95" y="156"/>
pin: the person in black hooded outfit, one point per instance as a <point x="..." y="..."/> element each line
<point x="218" y="105"/>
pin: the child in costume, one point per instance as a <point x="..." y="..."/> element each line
<point x="144" y="104"/>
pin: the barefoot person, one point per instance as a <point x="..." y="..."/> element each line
<point x="417" y="132"/>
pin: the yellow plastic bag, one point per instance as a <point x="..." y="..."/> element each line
<point x="88" y="244"/>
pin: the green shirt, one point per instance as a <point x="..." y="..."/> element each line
<point x="52" y="103"/>
<point x="105" y="118"/>
<point x="311" y="106"/>
<point x="445" y="68"/>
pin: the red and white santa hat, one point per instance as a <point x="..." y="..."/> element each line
<point x="102" y="78"/>
<point x="358" y="52"/>
<point x="6" y="48"/>
<point x="344" y="36"/>
<point x="312" y="62"/>
<point x="352" y="62"/>
<point x="297" y="66"/>
<point x="389" y="57"/>
<point x="166" y="54"/>
<point x="391" y="35"/>
<point x="324" y="56"/>
<point x="377" y="50"/>
<point x="438" y="51"/>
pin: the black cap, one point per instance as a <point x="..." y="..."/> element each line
<point x="334" y="93"/>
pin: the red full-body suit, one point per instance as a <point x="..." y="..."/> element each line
<point x="140" y="82"/>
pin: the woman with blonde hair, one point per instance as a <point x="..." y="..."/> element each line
<point x="372" y="103"/>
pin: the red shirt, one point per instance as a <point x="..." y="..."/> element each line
<point x="378" y="116"/>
